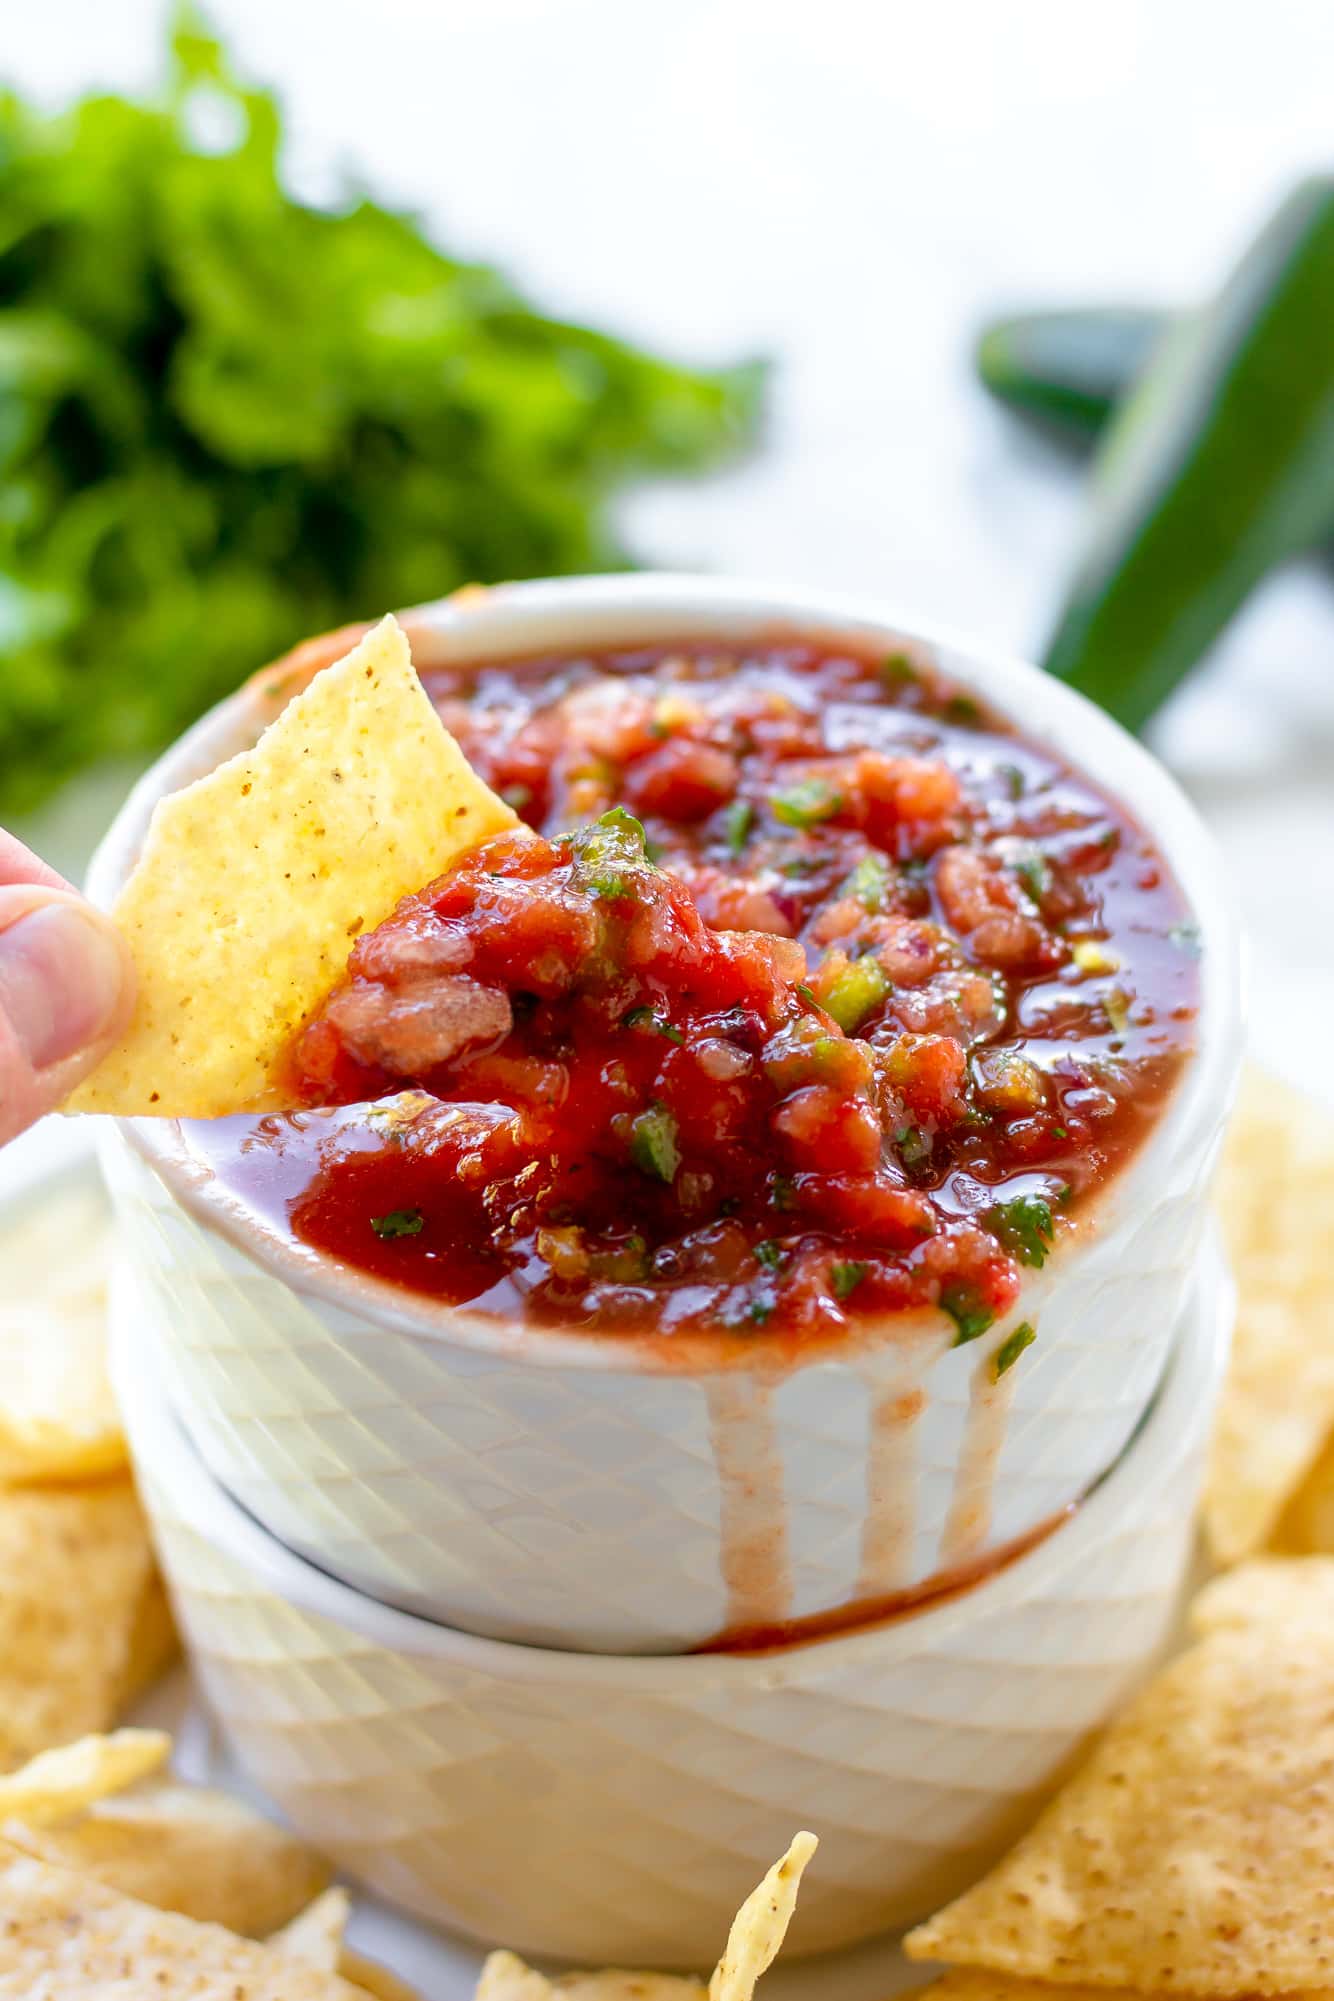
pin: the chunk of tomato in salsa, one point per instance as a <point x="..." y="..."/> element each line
<point x="850" y="1022"/>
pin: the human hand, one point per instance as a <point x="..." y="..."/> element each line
<point x="66" y="987"/>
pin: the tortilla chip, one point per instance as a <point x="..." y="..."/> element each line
<point x="153" y="1644"/>
<point x="316" y="1934"/>
<point x="758" y="1931"/>
<point x="76" y="1569"/>
<point x="968" y="1985"/>
<point x="189" y="1849"/>
<point x="58" y="1785"/>
<point x="1269" y="1592"/>
<point x="505" y="1978"/>
<point x="369" y="1977"/>
<point x="1306" y="1526"/>
<point x="66" y="1938"/>
<point x="760" y="1926"/>
<point x="1194" y="1850"/>
<point x="254" y="881"/>
<point x="58" y="1418"/>
<point x="1276" y="1197"/>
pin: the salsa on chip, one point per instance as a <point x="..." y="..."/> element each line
<point x="754" y="987"/>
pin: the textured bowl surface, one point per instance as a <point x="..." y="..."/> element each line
<point x="606" y="1809"/>
<point x="565" y="1491"/>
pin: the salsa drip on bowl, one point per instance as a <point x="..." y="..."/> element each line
<point x="817" y="994"/>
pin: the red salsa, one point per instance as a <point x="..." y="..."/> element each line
<point x="817" y="993"/>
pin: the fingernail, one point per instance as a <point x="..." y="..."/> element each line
<point x="61" y="975"/>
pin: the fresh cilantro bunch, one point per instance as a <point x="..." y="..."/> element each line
<point x="228" y="420"/>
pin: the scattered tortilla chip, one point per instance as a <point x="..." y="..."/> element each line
<point x="758" y="1931"/>
<point x="66" y="1938"/>
<point x="76" y="1570"/>
<point x="369" y="1977"/>
<point x="1194" y="1850"/>
<point x="1306" y="1526"/>
<point x="57" y="1785"/>
<point x="254" y="881"/>
<point x="58" y="1418"/>
<point x="969" y="1985"/>
<point x="1276" y="1197"/>
<point x="316" y="1934"/>
<point x="505" y="1978"/>
<point x="204" y="1854"/>
<point x="760" y="1926"/>
<point x="1270" y="1592"/>
<point x="153" y="1644"/>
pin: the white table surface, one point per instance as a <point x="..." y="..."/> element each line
<point x="850" y="186"/>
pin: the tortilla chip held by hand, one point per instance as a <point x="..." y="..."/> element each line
<point x="255" y="880"/>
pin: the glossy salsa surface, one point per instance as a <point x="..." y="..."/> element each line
<point x="821" y="994"/>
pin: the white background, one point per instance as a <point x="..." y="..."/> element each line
<point x="852" y="185"/>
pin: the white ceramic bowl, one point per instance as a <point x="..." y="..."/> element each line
<point x="617" y="1809"/>
<point x="573" y="1491"/>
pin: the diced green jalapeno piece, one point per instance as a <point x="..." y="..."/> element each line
<point x="856" y="992"/>
<point x="737" y="823"/>
<point x="653" y="1145"/>
<point x="913" y="1144"/>
<point x="1007" y="1082"/>
<point x="806" y="804"/>
<point x="869" y="883"/>
<point x="625" y="1262"/>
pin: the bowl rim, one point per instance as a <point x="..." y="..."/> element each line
<point x="1172" y="1430"/>
<point x="510" y="621"/>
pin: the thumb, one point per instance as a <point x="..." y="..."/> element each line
<point x="66" y="989"/>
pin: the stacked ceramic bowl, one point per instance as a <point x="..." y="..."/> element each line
<point x="443" y="1576"/>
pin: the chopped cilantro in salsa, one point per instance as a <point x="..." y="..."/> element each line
<point x="1011" y="1348"/>
<point x="1024" y="1225"/>
<point x="398" y="1223"/>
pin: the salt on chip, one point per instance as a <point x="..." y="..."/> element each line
<point x="58" y="1417"/>
<point x="254" y="881"/>
<point x="1276" y="1198"/>
<point x="316" y="1933"/>
<point x="67" y="1938"/>
<point x="1194" y="1850"/>
<point x="204" y="1854"/>
<point x="78" y="1592"/>
<point x="57" y="1785"/>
